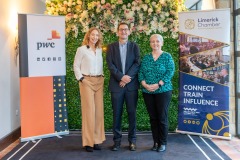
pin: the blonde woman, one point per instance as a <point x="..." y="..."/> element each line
<point x="155" y="75"/>
<point x="88" y="69"/>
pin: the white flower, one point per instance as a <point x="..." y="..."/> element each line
<point x="154" y="18"/>
<point x="147" y="1"/>
<point x="165" y="29"/>
<point x="154" y="3"/>
<point x="162" y="16"/>
<point x="61" y="9"/>
<point x="79" y="2"/>
<point x="162" y="2"/>
<point x="102" y="1"/>
<point x="65" y="2"/>
<point x="148" y="32"/>
<point x="129" y="14"/>
<point x="150" y="10"/>
<point x="75" y="16"/>
<point x="133" y="8"/>
<point x="138" y="8"/>
<point x="144" y="7"/>
<point x="69" y="4"/>
<point x="113" y="6"/>
<point x="150" y="16"/>
<point x="98" y="10"/>
<point x="83" y="16"/>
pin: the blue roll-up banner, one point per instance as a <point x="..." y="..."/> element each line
<point x="204" y="73"/>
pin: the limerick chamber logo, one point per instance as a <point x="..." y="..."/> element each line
<point x="189" y="24"/>
<point x="55" y="35"/>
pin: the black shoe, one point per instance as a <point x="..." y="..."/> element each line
<point x="155" y="147"/>
<point x="162" y="148"/>
<point x="96" y="147"/>
<point x="115" y="147"/>
<point x="89" y="149"/>
<point x="132" y="147"/>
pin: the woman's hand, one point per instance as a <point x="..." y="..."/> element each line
<point x="161" y="83"/>
<point x="150" y="87"/>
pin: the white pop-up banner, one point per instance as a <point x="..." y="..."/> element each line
<point x="42" y="76"/>
<point x="204" y="73"/>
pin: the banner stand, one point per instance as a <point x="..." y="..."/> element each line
<point x="203" y="135"/>
<point x="43" y="136"/>
<point x="204" y="65"/>
<point x="42" y="61"/>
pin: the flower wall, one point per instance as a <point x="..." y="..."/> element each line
<point x="145" y="17"/>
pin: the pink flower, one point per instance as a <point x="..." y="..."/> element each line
<point x="130" y="19"/>
<point x="120" y="2"/>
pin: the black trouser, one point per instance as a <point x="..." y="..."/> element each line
<point x="157" y="107"/>
<point x="130" y="98"/>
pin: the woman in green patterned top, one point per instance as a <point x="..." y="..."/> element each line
<point x="155" y="75"/>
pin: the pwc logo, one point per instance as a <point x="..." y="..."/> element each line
<point x="55" y="35"/>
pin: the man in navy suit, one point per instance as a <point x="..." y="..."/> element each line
<point x="123" y="59"/>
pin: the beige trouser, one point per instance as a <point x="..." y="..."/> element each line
<point x="91" y="92"/>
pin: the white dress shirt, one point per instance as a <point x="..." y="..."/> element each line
<point x="86" y="62"/>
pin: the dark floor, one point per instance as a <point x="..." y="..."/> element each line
<point x="179" y="147"/>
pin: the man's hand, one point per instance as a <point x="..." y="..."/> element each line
<point x="122" y="84"/>
<point x="126" y="79"/>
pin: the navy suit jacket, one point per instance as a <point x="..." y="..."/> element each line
<point x="115" y="66"/>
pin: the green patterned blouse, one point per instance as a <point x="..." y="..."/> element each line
<point x="153" y="71"/>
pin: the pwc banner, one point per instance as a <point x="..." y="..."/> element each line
<point x="42" y="76"/>
<point x="204" y="73"/>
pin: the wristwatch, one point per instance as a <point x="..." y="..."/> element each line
<point x="81" y="79"/>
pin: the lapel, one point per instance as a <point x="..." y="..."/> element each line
<point x="118" y="57"/>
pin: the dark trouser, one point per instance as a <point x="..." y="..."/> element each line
<point x="130" y="98"/>
<point x="157" y="107"/>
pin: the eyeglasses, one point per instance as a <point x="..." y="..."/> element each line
<point x="123" y="29"/>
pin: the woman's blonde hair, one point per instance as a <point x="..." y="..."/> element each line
<point x="87" y="35"/>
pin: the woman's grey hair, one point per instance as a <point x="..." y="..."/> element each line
<point x="159" y="37"/>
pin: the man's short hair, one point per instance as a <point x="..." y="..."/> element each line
<point x="122" y="23"/>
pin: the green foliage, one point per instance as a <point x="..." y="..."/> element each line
<point x="72" y="88"/>
<point x="82" y="14"/>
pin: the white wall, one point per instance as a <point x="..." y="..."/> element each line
<point x="9" y="68"/>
